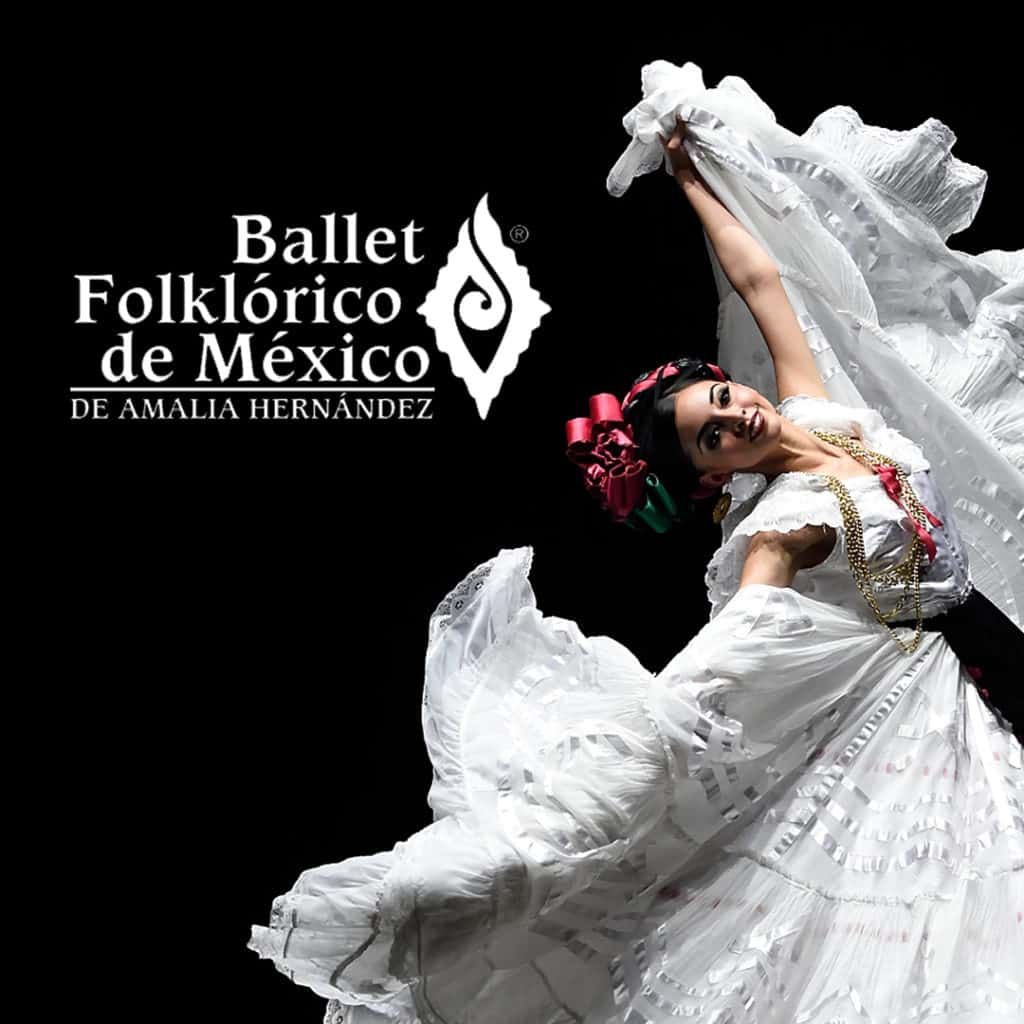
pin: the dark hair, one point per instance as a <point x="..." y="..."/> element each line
<point x="630" y="452"/>
<point x="650" y="412"/>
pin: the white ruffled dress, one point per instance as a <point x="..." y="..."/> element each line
<point x="793" y="500"/>
<point x="794" y="820"/>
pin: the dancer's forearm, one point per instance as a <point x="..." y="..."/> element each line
<point x="775" y="557"/>
<point x="743" y="259"/>
<point x="768" y="561"/>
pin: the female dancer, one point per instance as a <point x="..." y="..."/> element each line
<point x="810" y="812"/>
<point x="695" y="451"/>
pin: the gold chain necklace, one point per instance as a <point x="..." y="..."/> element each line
<point x="908" y="570"/>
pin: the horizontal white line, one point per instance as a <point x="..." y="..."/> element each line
<point x="250" y="391"/>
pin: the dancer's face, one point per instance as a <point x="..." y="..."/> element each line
<point x="714" y="420"/>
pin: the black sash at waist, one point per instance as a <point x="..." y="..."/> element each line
<point x="991" y="648"/>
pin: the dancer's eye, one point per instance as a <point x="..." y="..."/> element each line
<point x="713" y="434"/>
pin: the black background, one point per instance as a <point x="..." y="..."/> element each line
<point x="248" y="601"/>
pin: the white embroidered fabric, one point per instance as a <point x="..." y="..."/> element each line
<point x="794" y="820"/>
<point x="857" y="217"/>
<point x="794" y="500"/>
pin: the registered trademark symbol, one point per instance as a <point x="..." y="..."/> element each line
<point x="519" y="233"/>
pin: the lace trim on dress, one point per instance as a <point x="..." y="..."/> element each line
<point x="451" y="606"/>
<point x="791" y="502"/>
<point x="335" y="1012"/>
<point x="798" y="499"/>
<point x="446" y="694"/>
<point x="813" y="411"/>
<point x="460" y="597"/>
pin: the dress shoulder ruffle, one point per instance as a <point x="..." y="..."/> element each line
<point x="867" y="425"/>
<point x="795" y="500"/>
<point x="791" y="502"/>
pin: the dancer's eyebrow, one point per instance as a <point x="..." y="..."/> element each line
<point x="700" y="433"/>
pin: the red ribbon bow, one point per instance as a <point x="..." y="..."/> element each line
<point x="602" y="444"/>
<point x="893" y="488"/>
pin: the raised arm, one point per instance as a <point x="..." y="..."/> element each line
<point x="744" y="261"/>
<point x="754" y="275"/>
<point x="795" y="369"/>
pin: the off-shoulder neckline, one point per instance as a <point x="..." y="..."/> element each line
<point x="870" y="478"/>
<point x="813" y="398"/>
<point x="796" y="475"/>
<point x="822" y="476"/>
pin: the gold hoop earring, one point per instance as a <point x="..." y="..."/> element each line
<point x="721" y="507"/>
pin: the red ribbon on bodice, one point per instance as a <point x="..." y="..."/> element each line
<point x="892" y="485"/>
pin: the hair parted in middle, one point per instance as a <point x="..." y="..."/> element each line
<point x="631" y="454"/>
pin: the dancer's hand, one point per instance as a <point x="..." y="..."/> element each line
<point x="679" y="158"/>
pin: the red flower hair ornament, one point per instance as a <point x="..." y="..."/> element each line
<point x="603" y="446"/>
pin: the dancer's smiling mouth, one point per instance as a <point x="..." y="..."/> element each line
<point x="756" y="424"/>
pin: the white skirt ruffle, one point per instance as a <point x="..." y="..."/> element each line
<point x="793" y="821"/>
<point x="790" y="821"/>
